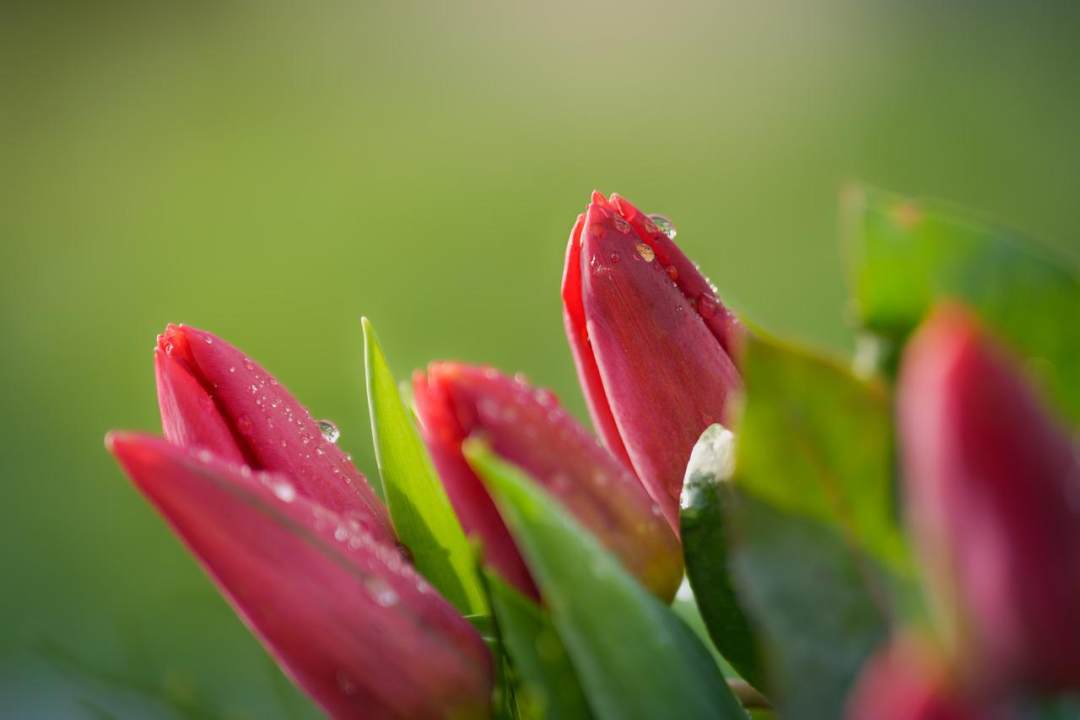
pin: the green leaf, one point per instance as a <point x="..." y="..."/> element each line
<point x="706" y="549"/>
<point x="819" y="561"/>
<point x="816" y="441"/>
<point x="815" y="605"/>
<point x="419" y="507"/>
<point x="907" y="254"/>
<point x="634" y="657"/>
<point x="547" y="685"/>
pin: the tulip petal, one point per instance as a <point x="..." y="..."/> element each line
<point x="346" y="617"/>
<point x="665" y="375"/>
<point x="529" y="428"/>
<point x="993" y="496"/>
<point x="722" y="323"/>
<point x="271" y="429"/>
<point x="576" y="333"/>
<point x="444" y="434"/>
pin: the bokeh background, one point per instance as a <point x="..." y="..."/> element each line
<point x="273" y="171"/>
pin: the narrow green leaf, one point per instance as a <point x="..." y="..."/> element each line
<point x="906" y="254"/>
<point x="419" y="507"/>
<point x="819" y="559"/>
<point x="706" y="549"/>
<point x="547" y="684"/>
<point x="634" y="657"/>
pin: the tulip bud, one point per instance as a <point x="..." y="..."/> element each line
<point x="214" y="397"/>
<point x="528" y="428"/>
<point x="992" y="486"/>
<point x="343" y="614"/>
<point x="905" y="681"/>
<point x="652" y="343"/>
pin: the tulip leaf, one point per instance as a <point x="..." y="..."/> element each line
<point x="419" y="507"/>
<point x="907" y="254"/>
<point x="706" y="549"/>
<point x="814" y="604"/>
<point x="546" y="683"/>
<point x="634" y="657"/>
<point x="818" y="556"/>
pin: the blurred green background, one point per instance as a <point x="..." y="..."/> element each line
<point x="274" y="171"/>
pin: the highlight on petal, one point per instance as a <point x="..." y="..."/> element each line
<point x="344" y="614"/>
<point x="528" y="427"/>
<point x="992" y="484"/>
<point x="215" y="397"/>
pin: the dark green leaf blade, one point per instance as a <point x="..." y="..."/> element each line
<point x="547" y="684"/>
<point x="634" y="657"/>
<point x="906" y="254"/>
<point x="419" y="507"/>
<point x="706" y="549"/>
<point x="816" y="609"/>
<point x="820" y="561"/>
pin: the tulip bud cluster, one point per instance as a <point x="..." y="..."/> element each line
<point x="307" y="553"/>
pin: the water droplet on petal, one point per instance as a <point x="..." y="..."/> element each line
<point x="329" y="431"/>
<point x="382" y="593"/>
<point x="645" y="252"/>
<point x="673" y="273"/>
<point x="209" y="340"/>
<point x="621" y="225"/>
<point x="244" y="425"/>
<point x="707" y="305"/>
<point x="664" y="225"/>
<point x="283" y="489"/>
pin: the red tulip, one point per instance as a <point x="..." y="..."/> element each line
<point x="993" y="496"/>
<point x="906" y="682"/>
<point x="214" y="397"/>
<point x="346" y="617"/>
<point x="652" y="343"/>
<point x="527" y="428"/>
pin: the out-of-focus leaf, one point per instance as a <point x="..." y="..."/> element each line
<point x="815" y="441"/>
<point x="419" y="507"/>
<point x="815" y="604"/>
<point x="706" y="550"/>
<point x="907" y="253"/>
<point x="634" y="657"/>
<point x="819" y="559"/>
<point x="546" y="682"/>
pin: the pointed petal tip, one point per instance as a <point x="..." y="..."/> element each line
<point x="597" y="198"/>
<point x="624" y="207"/>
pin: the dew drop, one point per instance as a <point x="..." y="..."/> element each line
<point x="283" y="489"/>
<point x="328" y="430"/>
<point x="244" y="425"/>
<point x="209" y="340"/>
<point x="707" y="305"/>
<point x="621" y="225"/>
<point x="232" y="369"/>
<point x="645" y="252"/>
<point x="381" y="593"/>
<point x="664" y="225"/>
<point x="673" y="272"/>
<point x="614" y="258"/>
